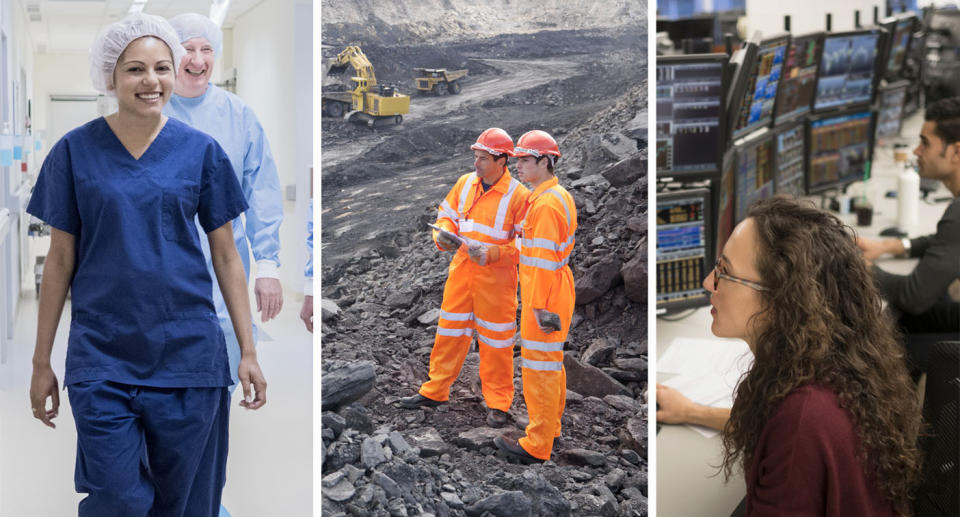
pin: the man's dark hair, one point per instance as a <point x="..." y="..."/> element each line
<point x="550" y="163"/>
<point x="945" y="114"/>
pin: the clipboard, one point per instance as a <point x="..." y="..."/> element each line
<point x="451" y="236"/>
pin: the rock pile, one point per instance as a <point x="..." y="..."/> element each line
<point x="441" y="462"/>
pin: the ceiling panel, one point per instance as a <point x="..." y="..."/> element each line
<point x="70" y="26"/>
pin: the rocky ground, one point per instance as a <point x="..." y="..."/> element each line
<point x="383" y="279"/>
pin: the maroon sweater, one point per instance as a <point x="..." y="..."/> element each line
<point x="806" y="462"/>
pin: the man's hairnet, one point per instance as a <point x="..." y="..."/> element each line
<point x="111" y="43"/>
<point x="191" y="25"/>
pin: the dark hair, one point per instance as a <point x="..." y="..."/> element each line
<point x="822" y="322"/>
<point x="550" y="163"/>
<point x="945" y="113"/>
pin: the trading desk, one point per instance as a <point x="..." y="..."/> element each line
<point x="688" y="482"/>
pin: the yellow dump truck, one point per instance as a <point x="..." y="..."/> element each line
<point x="438" y="81"/>
<point x="367" y="101"/>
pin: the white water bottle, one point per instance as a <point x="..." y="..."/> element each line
<point x="908" y="200"/>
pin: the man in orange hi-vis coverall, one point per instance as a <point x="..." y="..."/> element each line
<point x="480" y="218"/>
<point x="547" y="296"/>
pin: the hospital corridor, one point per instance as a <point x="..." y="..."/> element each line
<point x="154" y="311"/>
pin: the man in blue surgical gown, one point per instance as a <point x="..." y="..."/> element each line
<point x="235" y="127"/>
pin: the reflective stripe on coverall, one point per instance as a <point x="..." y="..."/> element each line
<point x="546" y="282"/>
<point x="475" y="297"/>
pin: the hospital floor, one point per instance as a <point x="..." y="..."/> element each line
<point x="269" y="467"/>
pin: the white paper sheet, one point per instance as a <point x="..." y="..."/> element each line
<point x="696" y="356"/>
<point x="706" y="389"/>
<point x="707" y="371"/>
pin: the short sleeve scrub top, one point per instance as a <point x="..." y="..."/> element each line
<point x="142" y="312"/>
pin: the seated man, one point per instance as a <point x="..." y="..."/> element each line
<point x="921" y="297"/>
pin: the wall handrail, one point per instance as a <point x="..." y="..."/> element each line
<point x="4" y="224"/>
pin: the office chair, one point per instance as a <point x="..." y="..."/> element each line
<point x="939" y="492"/>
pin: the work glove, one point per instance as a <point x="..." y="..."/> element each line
<point x="447" y="241"/>
<point x="546" y="320"/>
<point x="478" y="253"/>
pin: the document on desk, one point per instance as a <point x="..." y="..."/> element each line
<point x="695" y="356"/>
<point x="707" y="371"/>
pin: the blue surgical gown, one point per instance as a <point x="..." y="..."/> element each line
<point x="226" y="118"/>
<point x="308" y="268"/>
<point x="142" y="307"/>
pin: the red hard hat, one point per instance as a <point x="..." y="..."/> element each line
<point x="536" y="143"/>
<point x="494" y="141"/>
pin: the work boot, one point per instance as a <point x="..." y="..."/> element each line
<point x="418" y="401"/>
<point x="497" y="418"/>
<point x="514" y="451"/>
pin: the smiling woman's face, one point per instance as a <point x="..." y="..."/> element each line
<point x="144" y="77"/>
<point x="734" y="304"/>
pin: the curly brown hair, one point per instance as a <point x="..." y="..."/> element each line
<point x="822" y="322"/>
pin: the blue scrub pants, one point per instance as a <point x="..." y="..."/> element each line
<point x="150" y="452"/>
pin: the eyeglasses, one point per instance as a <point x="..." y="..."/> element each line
<point x="717" y="275"/>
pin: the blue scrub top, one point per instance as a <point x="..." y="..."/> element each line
<point x="142" y="309"/>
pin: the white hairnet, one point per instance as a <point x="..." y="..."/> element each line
<point x="190" y="25"/>
<point x="111" y="43"/>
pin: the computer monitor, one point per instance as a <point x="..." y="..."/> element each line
<point x="754" y="172"/>
<point x="690" y="115"/>
<point x="890" y="103"/>
<point x="739" y="69"/>
<point x="899" y="32"/>
<point x="727" y="199"/>
<point x="848" y="69"/>
<point x="799" y="83"/>
<point x="753" y="103"/>
<point x="684" y="250"/>
<point x="898" y="6"/>
<point x="790" y="169"/>
<point x="839" y="149"/>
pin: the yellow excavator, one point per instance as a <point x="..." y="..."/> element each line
<point x="368" y="101"/>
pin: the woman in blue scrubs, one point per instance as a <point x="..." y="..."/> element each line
<point x="146" y="370"/>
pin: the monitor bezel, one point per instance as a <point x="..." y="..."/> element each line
<point x="779" y="119"/>
<point x="673" y="195"/>
<point x="717" y="57"/>
<point x="877" y="64"/>
<point x="734" y="111"/>
<point x="808" y="162"/>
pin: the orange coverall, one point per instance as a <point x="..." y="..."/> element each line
<point x="475" y="297"/>
<point x="546" y="282"/>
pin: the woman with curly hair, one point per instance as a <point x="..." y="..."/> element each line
<point x="825" y="422"/>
